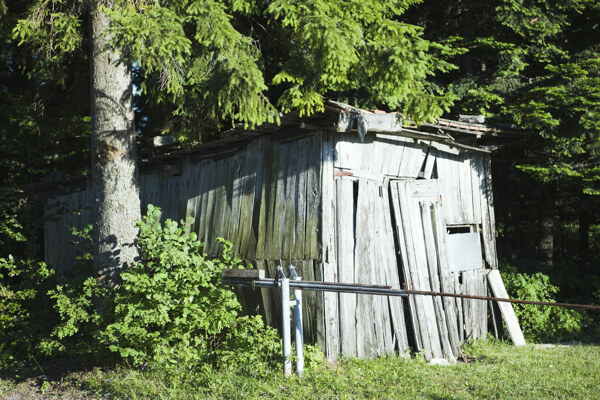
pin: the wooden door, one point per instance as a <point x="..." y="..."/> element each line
<point x="369" y="325"/>
<point x="421" y="238"/>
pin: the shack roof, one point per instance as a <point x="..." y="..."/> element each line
<point x="339" y="117"/>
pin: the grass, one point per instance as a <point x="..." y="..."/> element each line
<point x="491" y="370"/>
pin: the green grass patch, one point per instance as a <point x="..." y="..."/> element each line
<point x="489" y="370"/>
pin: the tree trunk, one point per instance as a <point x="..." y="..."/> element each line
<point x="547" y="218"/>
<point x="114" y="159"/>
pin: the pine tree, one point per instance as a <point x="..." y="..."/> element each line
<point x="216" y="62"/>
<point x="534" y="63"/>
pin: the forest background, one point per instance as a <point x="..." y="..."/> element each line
<point x="531" y="63"/>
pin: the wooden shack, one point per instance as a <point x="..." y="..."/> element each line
<point x="345" y="195"/>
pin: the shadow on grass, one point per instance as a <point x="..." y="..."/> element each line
<point x="39" y="370"/>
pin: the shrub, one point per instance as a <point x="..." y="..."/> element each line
<point x="171" y="309"/>
<point x="540" y="323"/>
<point x="24" y="308"/>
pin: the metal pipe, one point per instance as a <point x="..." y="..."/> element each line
<point x="502" y="299"/>
<point x="320" y="286"/>
<point x="299" y="334"/>
<point x="384" y="291"/>
<point x="285" y="325"/>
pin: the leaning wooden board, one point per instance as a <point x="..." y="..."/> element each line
<point x="514" y="330"/>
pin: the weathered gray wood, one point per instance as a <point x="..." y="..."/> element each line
<point x="456" y="186"/>
<point x="383" y="158"/>
<point x="371" y="122"/>
<point x="458" y="288"/>
<point x="320" y="309"/>
<point x="305" y="269"/>
<point x="232" y="180"/>
<point x="432" y="261"/>
<point x="243" y="273"/>
<point x="345" y="261"/>
<point x="256" y="193"/>
<point x="210" y="204"/>
<point x="477" y="181"/>
<point x="508" y="313"/>
<point x="391" y="278"/>
<point x="328" y="202"/>
<point x="378" y="317"/>
<point x="313" y="199"/>
<point x="419" y="158"/>
<point x="289" y="232"/>
<point x="303" y="148"/>
<point x="475" y="311"/>
<point x="272" y="242"/>
<point x="331" y="314"/>
<point x="404" y="254"/>
<point x="429" y="164"/>
<point x="243" y="232"/>
<point x="266" y="295"/>
<point x="265" y="197"/>
<point x="417" y="269"/>
<point x="348" y="148"/>
<point x="446" y="281"/>
<point x="381" y="263"/>
<point x="191" y="212"/>
<point x="330" y="300"/>
<point x="383" y="122"/>
<point x="360" y="174"/>
<point x="271" y="271"/>
<point x="482" y="312"/>
<point x="264" y="215"/>
<point x="203" y="204"/>
<point x="488" y="218"/>
<point x="411" y="214"/>
<point x="465" y="188"/>
<point x="363" y="262"/>
<point x="408" y="159"/>
<point x="220" y="214"/>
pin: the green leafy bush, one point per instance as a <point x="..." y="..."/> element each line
<point x="24" y="308"/>
<point x="77" y="300"/>
<point x="540" y="323"/>
<point x="171" y="309"/>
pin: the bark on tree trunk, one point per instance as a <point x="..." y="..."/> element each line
<point x="114" y="159"/>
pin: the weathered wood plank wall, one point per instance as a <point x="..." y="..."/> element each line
<point x="62" y="214"/>
<point x="265" y="198"/>
<point x="466" y="189"/>
<point x="380" y="155"/>
<point x="322" y="203"/>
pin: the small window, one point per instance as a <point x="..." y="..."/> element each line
<point x="464" y="248"/>
<point x="459" y="229"/>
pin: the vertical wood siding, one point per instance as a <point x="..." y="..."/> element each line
<point x="283" y="202"/>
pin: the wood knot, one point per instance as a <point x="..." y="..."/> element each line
<point x="107" y="153"/>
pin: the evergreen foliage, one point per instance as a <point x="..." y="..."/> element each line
<point x="219" y="61"/>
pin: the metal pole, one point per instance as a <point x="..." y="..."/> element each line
<point x="320" y="286"/>
<point x="299" y="335"/>
<point x="387" y="291"/>
<point x="285" y="322"/>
